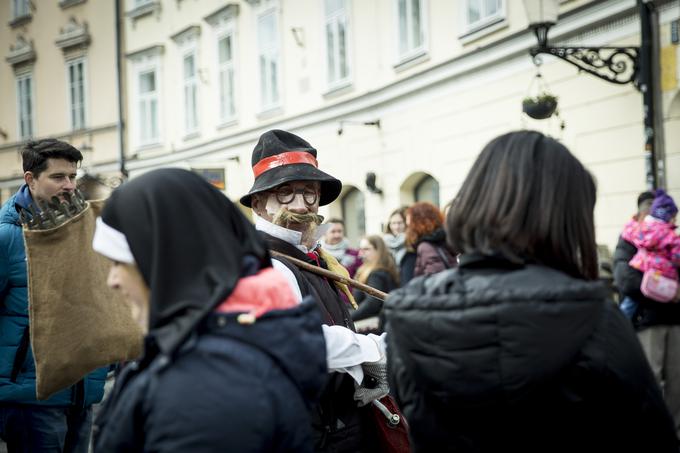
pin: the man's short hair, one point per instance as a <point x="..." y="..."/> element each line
<point x="336" y="220"/>
<point x="644" y="196"/>
<point x="35" y="153"/>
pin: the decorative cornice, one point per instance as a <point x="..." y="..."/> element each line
<point x="72" y="35"/>
<point x="187" y="34"/>
<point x="20" y="20"/>
<point x="223" y="14"/>
<point x="21" y="52"/>
<point x="63" y="4"/>
<point x="154" y="50"/>
<point x="143" y="10"/>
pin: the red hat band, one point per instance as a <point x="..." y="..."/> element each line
<point x="287" y="158"/>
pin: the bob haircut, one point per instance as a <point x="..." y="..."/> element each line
<point x="527" y="198"/>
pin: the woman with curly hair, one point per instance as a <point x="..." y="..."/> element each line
<point x="377" y="271"/>
<point x="425" y="234"/>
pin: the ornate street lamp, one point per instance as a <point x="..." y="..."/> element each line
<point x="619" y="65"/>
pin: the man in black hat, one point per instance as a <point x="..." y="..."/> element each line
<point x="286" y="195"/>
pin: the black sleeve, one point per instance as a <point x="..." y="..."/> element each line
<point x="627" y="279"/>
<point x="371" y="306"/>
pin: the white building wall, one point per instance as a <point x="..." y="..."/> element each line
<point x="435" y="113"/>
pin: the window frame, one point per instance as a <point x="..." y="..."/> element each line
<point x="26" y="12"/>
<point x="31" y="104"/>
<point x="190" y="130"/>
<point x="412" y="52"/>
<point x="485" y="21"/>
<point x="70" y="63"/>
<point x="151" y="64"/>
<point x="272" y="53"/>
<point x="225" y="115"/>
<point x="335" y="81"/>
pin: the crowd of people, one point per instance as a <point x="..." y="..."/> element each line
<point x="495" y="332"/>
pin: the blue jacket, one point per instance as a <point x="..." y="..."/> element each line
<point x="17" y="367"/>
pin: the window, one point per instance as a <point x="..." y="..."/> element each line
<point x="480" y="13"/>
<point x="354" y="215"/>
<point x="427" y="190"/>
<point x="336" y="41"/>
<point x="267" y="33"/>
<point x="148" y="107"/>
<point x="76" y="93"/>
<point x="411" y="29"/>
<point x="190" y="93"/>
<point x="20" y="8"/>
<point x="225" y="61"/>
<point x="25" y="106"/>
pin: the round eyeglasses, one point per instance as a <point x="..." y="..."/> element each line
<point x="286" y="194"/>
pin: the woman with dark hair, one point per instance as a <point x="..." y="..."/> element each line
<point x="425" y="234"/>
<point x="231" y="361"/>
<point x="520" y="348"/>
<point x="379" y="272"/>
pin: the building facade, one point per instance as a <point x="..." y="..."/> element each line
<point x="398" y="96"/>
<point x="58" y="78"/>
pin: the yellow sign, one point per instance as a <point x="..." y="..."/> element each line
<point x="669" y="67"/>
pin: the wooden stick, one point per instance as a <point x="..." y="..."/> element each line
<point x="332" y="275"/>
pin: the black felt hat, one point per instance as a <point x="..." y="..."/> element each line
<point x="280" y="157"/>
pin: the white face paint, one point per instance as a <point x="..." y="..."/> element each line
<point x="272" y="207"/>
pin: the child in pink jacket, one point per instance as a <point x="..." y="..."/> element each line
<point x="655" y="238"/>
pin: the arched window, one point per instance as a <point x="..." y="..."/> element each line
<point x="354" y="215"/>
<point x="427" y="190"/>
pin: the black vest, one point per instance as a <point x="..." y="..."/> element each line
<point x="337" y="421"/>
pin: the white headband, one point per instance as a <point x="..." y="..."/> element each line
<point x="111" y="243"/>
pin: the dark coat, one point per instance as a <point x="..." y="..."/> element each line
<point x="339" y="425"/>
<point x="432" y="254"/>
<point x="232" y="387"/>
<point x="498" y="357"/>
<point x="628" y="281"/>
<point x="370" y="306"/>
<point x="407" y="267"/>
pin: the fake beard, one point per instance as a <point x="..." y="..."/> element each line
<point x="308" y="222"/>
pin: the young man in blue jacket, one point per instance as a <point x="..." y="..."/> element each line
<point x="63" y="422"/>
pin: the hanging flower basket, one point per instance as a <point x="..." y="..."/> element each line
<point x="540" y="107"/>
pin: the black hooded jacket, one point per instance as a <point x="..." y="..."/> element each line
<point x="501" y="357"/>
<point x="206" y="382"/>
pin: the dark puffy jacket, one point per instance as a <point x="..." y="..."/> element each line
<point x="17" y="367"/>
<point x="628" y="281"/>
<point x="432" y="254"/>
<point x="231" y="388"/>
<point x="497" y="357"/>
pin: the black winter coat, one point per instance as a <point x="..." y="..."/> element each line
<point x="232" y="388"/>
<point x="370" y="306"/>
<point x="628" y="281"/>
<point x="497" y="357"/>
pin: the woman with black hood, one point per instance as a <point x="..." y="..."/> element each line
<point x="231" y="361"/>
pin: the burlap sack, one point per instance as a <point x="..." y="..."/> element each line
<point x="77" y="323"/>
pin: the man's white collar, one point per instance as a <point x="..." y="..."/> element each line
<point x="290" y="236"/>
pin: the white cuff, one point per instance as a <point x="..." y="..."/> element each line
<point x="347" y="350"/>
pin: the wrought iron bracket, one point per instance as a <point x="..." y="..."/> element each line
<point x="619" y="65"/>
